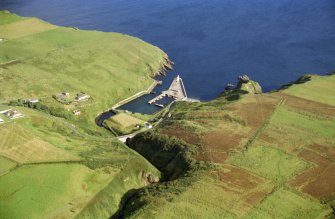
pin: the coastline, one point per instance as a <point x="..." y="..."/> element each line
<point x="165" y="66"/>
<point x="138" y="94"/>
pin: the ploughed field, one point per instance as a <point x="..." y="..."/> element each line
<point x="61" y="165"/>
<point x="260" y="156"/>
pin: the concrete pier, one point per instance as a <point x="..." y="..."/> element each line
<point x="176" y="91"/>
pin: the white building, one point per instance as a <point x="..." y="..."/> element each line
<point x="34" y="100"/>
<point x="147" y="125"/>
<point x="82" y="97"/>
<point x="13" y="114"/>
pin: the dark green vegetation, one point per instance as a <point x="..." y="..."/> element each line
<point x="54" y="164"/>
<point x="243" y="155"/>
<point x="54" y="111"/>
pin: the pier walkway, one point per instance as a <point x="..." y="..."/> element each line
<point x="176" y="91"/>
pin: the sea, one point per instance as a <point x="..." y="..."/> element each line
<point x="211" y="42"/>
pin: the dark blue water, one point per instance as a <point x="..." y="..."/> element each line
<point x="212" y="41"/>
<point x="102" y="117"/>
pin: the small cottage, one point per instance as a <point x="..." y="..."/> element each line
<point x="82" y="97"/>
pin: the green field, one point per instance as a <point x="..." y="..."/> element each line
<point x="60" y="171"/>
<point x="57" y="165"/>
<point x="269" y="162"/>
<point x="242" y="155"/>
<point x="7" y="17"/>
<point x="286" y="204"/>
<point x="45" y="190"/>
<point x="49" y="59"/>
<point x="273" y="156"/>
<point x="318" y="89"/>
<point x="6" y="165"/>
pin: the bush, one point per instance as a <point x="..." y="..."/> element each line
<point x="55" y="111"/>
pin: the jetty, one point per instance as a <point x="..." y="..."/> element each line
<point x="176" y="91"/>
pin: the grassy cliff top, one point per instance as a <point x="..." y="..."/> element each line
<point x="255" y="156"/>
<point x="38" y="60"/>
<point x="54" y="164"/>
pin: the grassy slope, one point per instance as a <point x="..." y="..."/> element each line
<point x="108" y="66"/>
<point x="7" y="18"/>
<point x="58" y="169"/>
<point x="285" y="172"/>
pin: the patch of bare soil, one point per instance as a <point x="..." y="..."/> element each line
<point x="247" y="189"/>
<point x="256" y="111"/>
<point x="185" y="135"/>
<point x="221" y="140"/>
<point x="216" y="157"/>
<point x="319" y="180"/>
<point x="236" y="177"/>
<point x="325" y="151"/>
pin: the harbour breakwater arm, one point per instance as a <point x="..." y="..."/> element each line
<point x="152" y="86"/>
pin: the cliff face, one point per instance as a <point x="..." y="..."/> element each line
<point x="170" y="155"/>
<point x="252" y="87"/>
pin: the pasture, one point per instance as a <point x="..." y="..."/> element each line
<point x="6" y="165"/>
<point x="57" y="168"/>
<point x="108" y="66"/>
<point x="7" y="17"/>
<point x="24" y="28"/>
<point x="274" y="155"/>
<point x="126" y="120"/>
<point x="55" y="190"/>
<point x="18" y="144"/>
<point x="284" y="203"/>
<point x="60" y="173"/>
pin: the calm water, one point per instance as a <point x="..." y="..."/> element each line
<point x="212" y="41"/>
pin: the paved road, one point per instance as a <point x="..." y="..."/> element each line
<point x="123" y="138"/>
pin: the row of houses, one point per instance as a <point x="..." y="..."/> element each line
<point x="80" y="97"/>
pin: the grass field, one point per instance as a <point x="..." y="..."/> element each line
<point x="70" y="174"/>
<point x="286" y="204"/>
<point x="123" y="124"/>
<point x="19" y="28"/>
<point x="269" y="162"/>
<point x="127" y="120"/>
<point x="6" y="165"/>
<point x="49" y="190"/>
<point x="51" y="167"/>
<point x="7" y="17"/>
<point x="273" y="154"/>
<point x="319" y="89"/>
<point x="107" y="66"/>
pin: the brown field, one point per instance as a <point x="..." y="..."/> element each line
<point x="250" y="189"/>
<point x="307" y="105"/>
<point x="24" y="28"/>
<point x="18" y="144"/>
<point x="216" y="157"/>
<point x="317" y="181"/>
<point x="221" y="140"/>
<point x="185" y="135"/>
<point x="325" y="151"/>
<point x="255" y="109"/>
